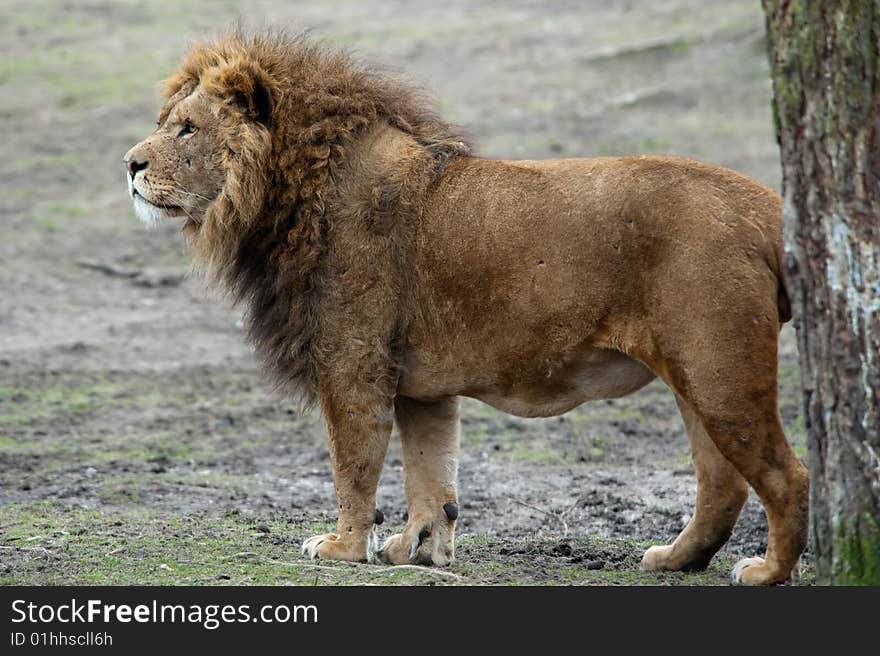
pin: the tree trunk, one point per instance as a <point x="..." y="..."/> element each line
<point x="825" y="61"/>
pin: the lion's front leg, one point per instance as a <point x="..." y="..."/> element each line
<point x="358" y="428"/>
<point x="429" y="437"/>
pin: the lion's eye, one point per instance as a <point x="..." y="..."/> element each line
<point x="187" y="128"/>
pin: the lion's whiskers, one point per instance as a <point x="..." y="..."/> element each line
<point x="173" y="196"/>
<point x="194" y="195"/>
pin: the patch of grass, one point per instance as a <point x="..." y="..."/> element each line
<point x="57" y="451"/>
<point x="68" y="56"/>
<point x="592" y="561"/>
<point x="52" y="544"/>
<point x="66" y="210"/>
<point x="718" y="573"/>
<point x="122" y="491"/>
<point x="474" y="434"/>
<point x="45" y="223"/>
<point x="537" y="453"/>
<point x="24" y="404"/>
<point x="635" y="146"/>
<point x="592" y="447"/>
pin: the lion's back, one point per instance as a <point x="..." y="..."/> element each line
<point x="583" y="238"/>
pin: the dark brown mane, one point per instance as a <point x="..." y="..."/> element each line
<point x="302" y="108"/>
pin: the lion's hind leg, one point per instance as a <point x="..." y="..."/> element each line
<point x="721" y="493"/>
<point x="731" y="386"/>
<point x="429" y="437"/>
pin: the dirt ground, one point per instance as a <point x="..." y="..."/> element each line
<point x="137" y="441"/>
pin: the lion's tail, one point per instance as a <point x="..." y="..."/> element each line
<point x="783" y="302"/>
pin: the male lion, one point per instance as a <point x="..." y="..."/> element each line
<point x="386" y="272"/>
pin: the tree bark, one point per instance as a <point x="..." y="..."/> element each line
<point x="825" y="63"/>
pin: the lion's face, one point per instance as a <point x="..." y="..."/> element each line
<point x="177" y="171"/>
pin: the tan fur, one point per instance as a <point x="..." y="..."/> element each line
<point x="387" y="272"/>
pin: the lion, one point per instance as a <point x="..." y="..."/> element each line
<point x="386" y="271"/>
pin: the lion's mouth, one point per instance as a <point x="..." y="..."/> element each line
<point x="168" y="208"/>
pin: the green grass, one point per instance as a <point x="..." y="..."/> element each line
<point x="57" y="545"/>
<point x="24" y="404"/>
<point x="50" y="543"/>
<point x="538" y="453"/>
<point x="49" y="216"/>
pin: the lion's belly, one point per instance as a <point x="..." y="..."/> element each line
<point x="592" y="374"/>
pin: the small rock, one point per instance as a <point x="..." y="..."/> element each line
<point x="562" y="549"/>
<point x="158" y="278"/>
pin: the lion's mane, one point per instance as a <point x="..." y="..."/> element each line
<point x="302" y="107"/>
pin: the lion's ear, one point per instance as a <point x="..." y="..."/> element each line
<point x="245" y="86"/>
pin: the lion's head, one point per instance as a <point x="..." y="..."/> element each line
<point x="178" y="170"/>
<point x="207" y="162"/>
<point x="250" y="132"/>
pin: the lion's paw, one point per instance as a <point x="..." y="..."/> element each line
<point x="756" y="571"/>
<point x="656" y="558"/>
<point x="748" y="571"/>
<point x="330" y="546"/>
<point x="419" y="544"/>
<point x="675" y="558"/>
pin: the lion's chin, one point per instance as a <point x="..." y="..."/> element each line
<point x="152" y="215"/>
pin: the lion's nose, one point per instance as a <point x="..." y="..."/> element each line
<point x="134" y="166"/>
